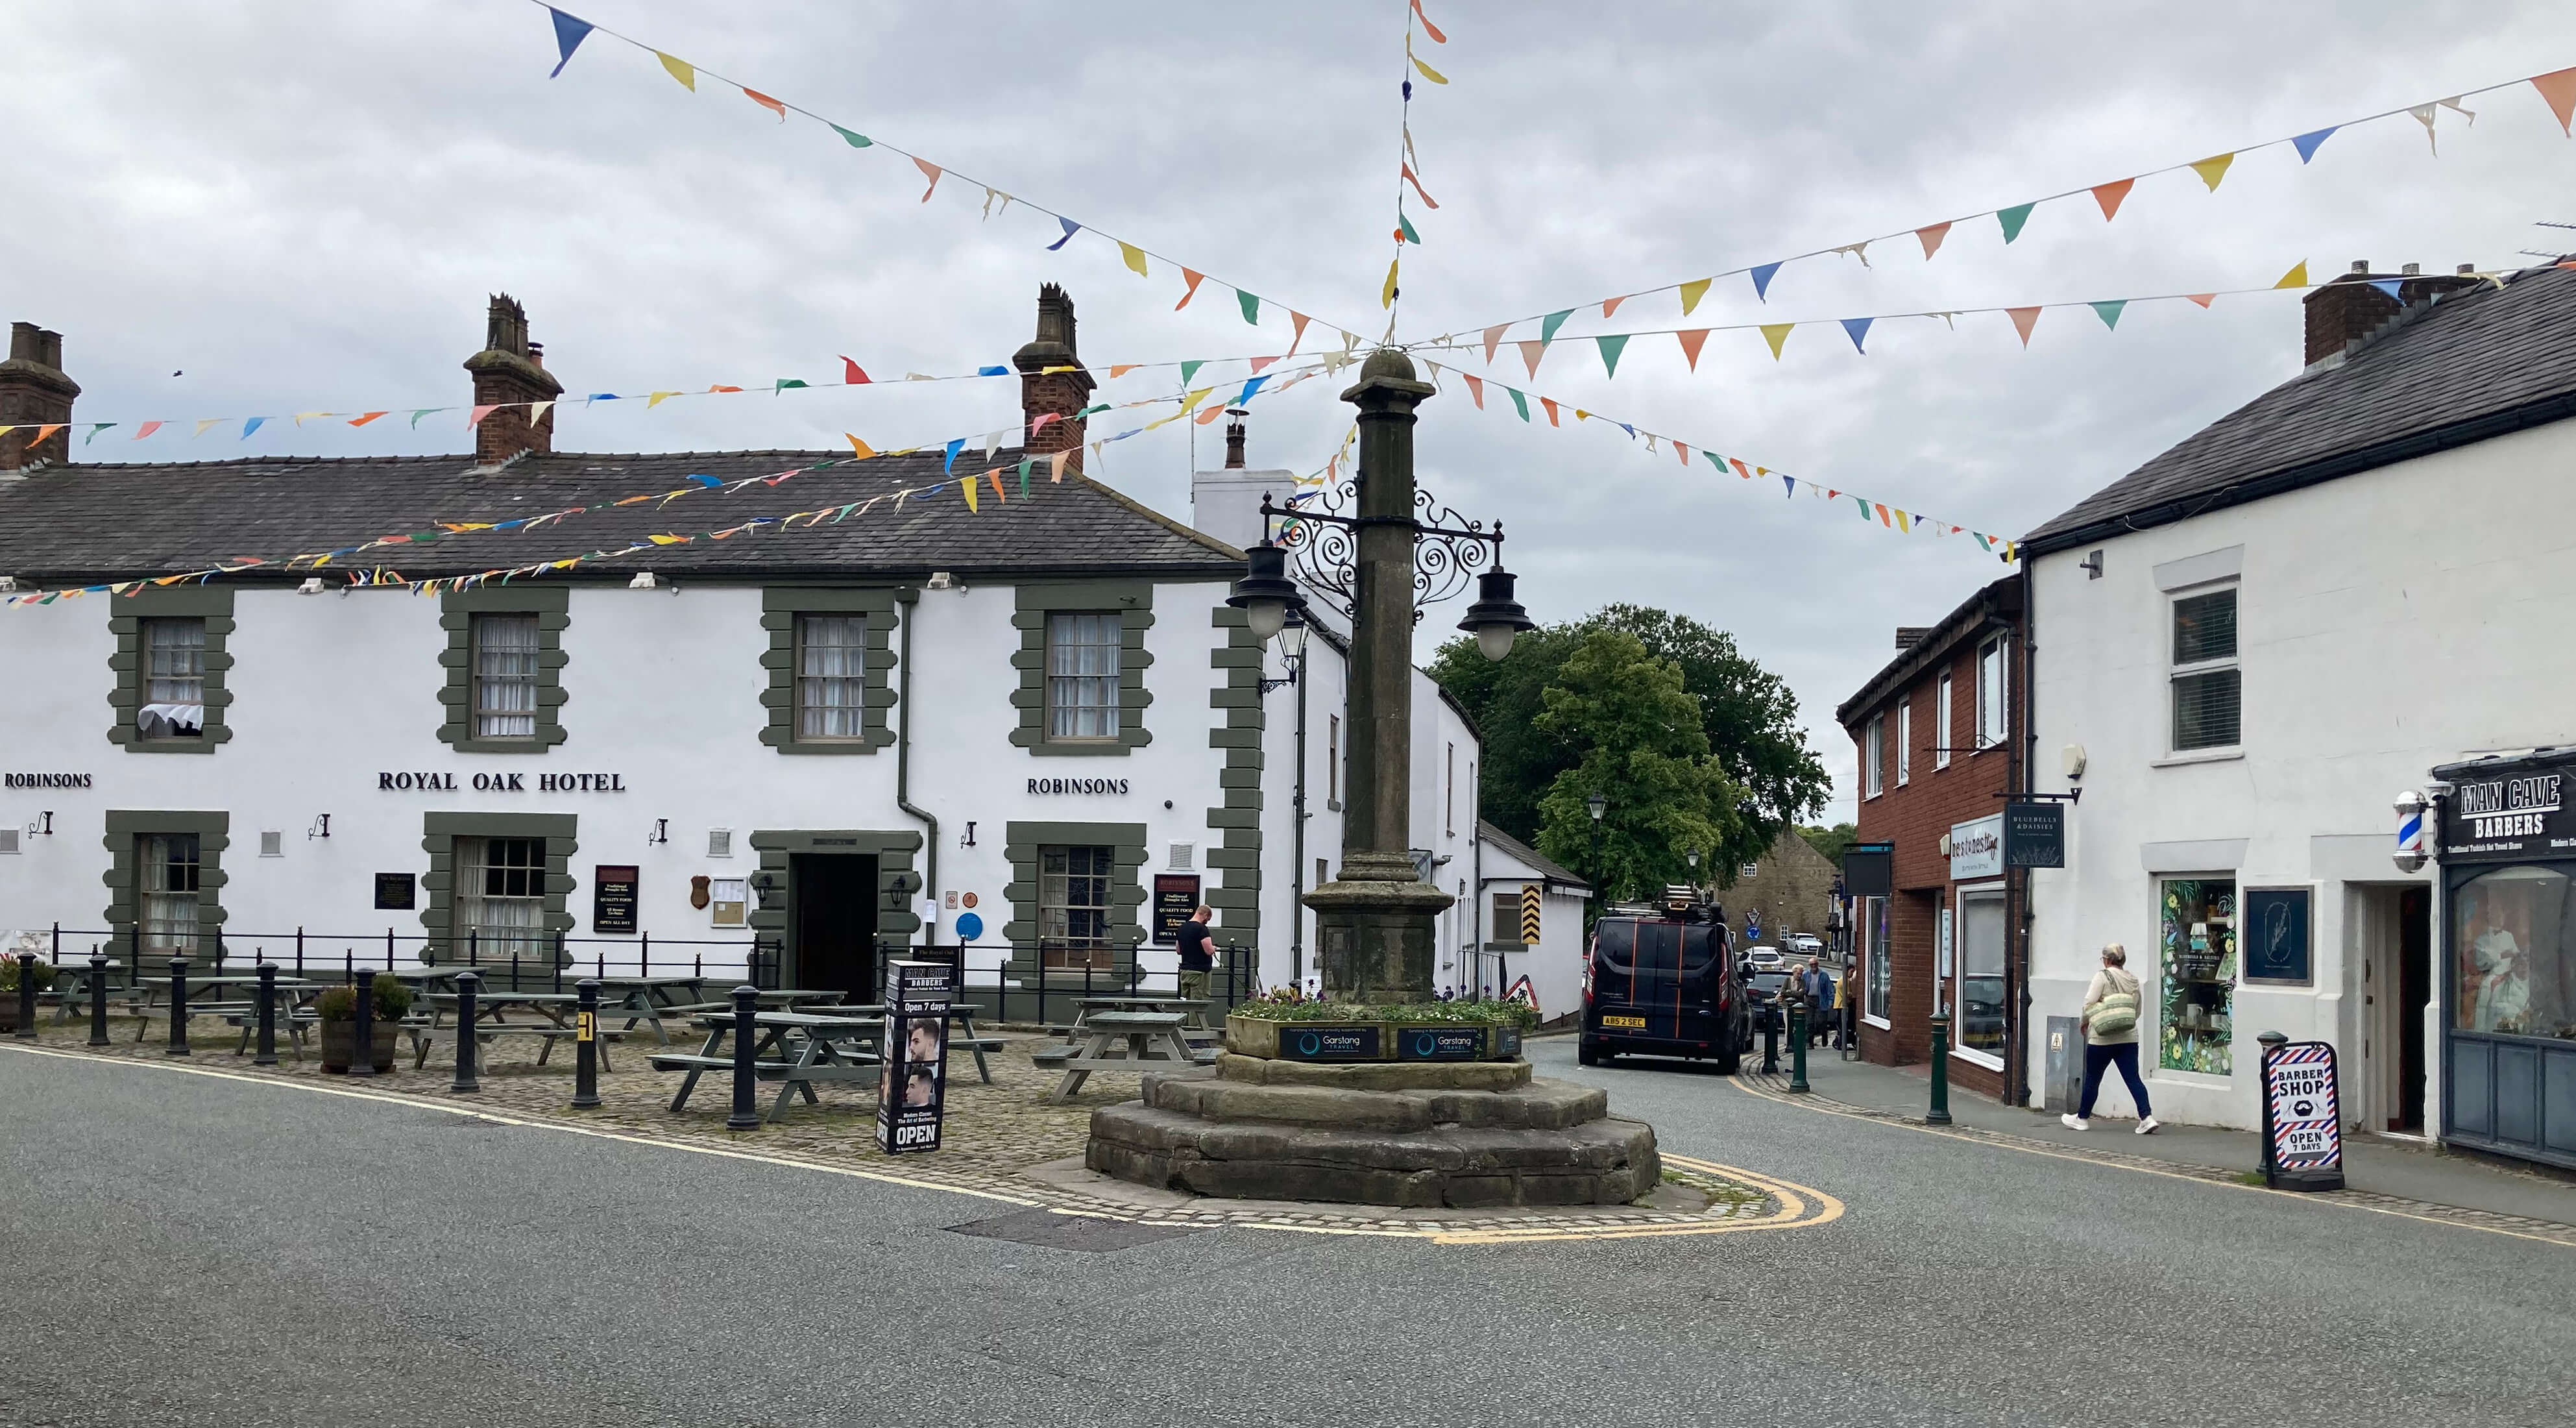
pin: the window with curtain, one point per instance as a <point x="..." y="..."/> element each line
<point x="2207" y="683"/>
<point x="505" y="676"/>
<point x="831" y="676"/>
<point x="1073" y="907"/>
<point x="1082" y="675"/>
<point x="169" y="869"/>
<point x="501" y="897"/>
<point x="174" y="679"/>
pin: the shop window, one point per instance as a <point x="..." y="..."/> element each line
<point x="1872" y="754"/>
<point x="2207" y="683"/>
<point x="505" y="676"/>
<point x="501" y="897"/>
<point x="2198" y="938"/>
<point x="1073" y="907"/>
<point x="172" y="879"/>
<point x="1980" y="1013"/>
<point x="2514" y="943"/>
<point x="1991" y="691"/>
<point x="174" y="679"/>
<point x="831" y="677"/>
<point x="1941" y="722"/>
<point x="1082" y="676"/>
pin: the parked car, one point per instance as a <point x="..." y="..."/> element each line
<point x="1804" y="944"/>
<point x="1663" y="984"/>
<point x="1763" y="959"/>
<point x="1762" y="993"/>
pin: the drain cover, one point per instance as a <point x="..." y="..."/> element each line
<point x="1049" y="1230"/>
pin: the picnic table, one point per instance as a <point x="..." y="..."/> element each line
<point x="149" y="998"/>
<point x="794" y="1048"/>
<point x="1122" y="1041"/>
<point x="492" y="1010"/>
<point x="1137" y="1002"/>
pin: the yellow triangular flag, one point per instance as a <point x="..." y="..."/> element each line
<point x="210" y="421"/>
<point x="968" y="486"/>
<point x="2212" y="169"/>
<point x="300" y="416"/>
<point x="1776" y="333"/>
<point x="1386" y="298"/>
<point x="1135" y="257"/>
<point x="1435" y="76"/>
<point x="1692" y="293"/>
<point x="1058" y="473"/>
<point x="1194" y="399"/>
<point x="2295" y="278"/>
<point x="656" y="399"/>
<point x="681" y="70"/>
<point x="861" y="447"/>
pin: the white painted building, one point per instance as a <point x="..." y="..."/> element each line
<point x="2245" y="649"/>
<point x="1554" y="963"/>
<point x="1024" y="729"/>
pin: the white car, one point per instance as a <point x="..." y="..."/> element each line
<point x="1806" y="944"/>
<point x="1763" y="959"/>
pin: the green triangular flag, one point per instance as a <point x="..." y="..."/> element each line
<point x="1610" y="349"/>
<point x="1863" y="503"/>
<point x="1404" y="226"/>
<point x="1190" y="369"/>
<point x="1093" y="410"/>
<point x="2014" y="217"/>
<point x="1548" y="325"/>
<point x="424" y="411"/>
<point x="2109" y="312"/>
<point x="857" y="141"/>
<point x="94" y="429"/>
<point x="1024" y="476"/>
<point x="1251" y="309"/>
<point x="784" y="383"/>
<point x="1519" y="401"/>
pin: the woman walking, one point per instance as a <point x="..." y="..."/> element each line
<point x="2111" y="1038"/>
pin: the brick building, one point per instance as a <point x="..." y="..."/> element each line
<point x="1937" y="733"/>
<point x="1789" y="889"/>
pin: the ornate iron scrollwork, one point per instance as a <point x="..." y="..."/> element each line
<point x="1323" y="544"/>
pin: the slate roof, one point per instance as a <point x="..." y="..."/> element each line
<point x="1996" y="602"/>
<point x="2470" y="366"/>
<point x="1546" y="869"/>
<point x="82" y="523"/>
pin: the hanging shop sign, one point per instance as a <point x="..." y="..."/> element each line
<point x="1176" y="896"/>
<point x="448" y="781"/>
<point x="1977" y="848"/>
<point x="911" y="1092"/>
<point x="2302" y="1120"/>
<point x="2034" y="835"/>
<point x="1868" y="869"/>
<point x="612" y="897"/>
<point x="2513" y="815"/>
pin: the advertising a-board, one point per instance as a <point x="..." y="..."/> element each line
<point x="2302" y="1119"/>
<point x="912" y="1093"/>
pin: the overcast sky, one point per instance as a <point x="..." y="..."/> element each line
<point x="304" y="206"/>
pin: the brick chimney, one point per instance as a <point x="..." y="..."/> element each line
<point x="1234" y="439"/>
<point x="1062" y="392"/>
<point x="2346" y="312"/>
<point x="510" y="368"/>
<point x="1908" y="636"/>
<point x="34" y="393"/>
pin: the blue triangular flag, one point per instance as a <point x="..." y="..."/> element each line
<point x="1251" y="387"/>
<point x="2390" y="287"/>
<point x="1858" y="327"/>
<point x="569" y="33"/>
<point x="1762" y="280"/>
<point x="1070" y="228"/>
<point x="2307" y="143"/>
<point x="951" y="463"/>
<point x="1789" y="485"/>
<point x="1632" y="431"/>
<point x="992" y="371"/>
<point x="601" y="397"/>
<point x="253" y="424"/>
<point x="704" y="479"/>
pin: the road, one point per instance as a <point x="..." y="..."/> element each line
<point x="188" y="1249"/>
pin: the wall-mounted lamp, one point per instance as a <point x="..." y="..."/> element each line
<point x="940" y="580"/>
<point x="968" y="839"/>
<point x="896" y="888"/>
<point x="321" y="826"/>
<point x="762" y="885"/>
<point x="661" y="831"/>
<point x="43" y="828"/>
<point x="2092" y="566"/>
<point x="312" y="586"/>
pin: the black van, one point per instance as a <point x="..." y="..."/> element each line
<point x="1663" y="984"/>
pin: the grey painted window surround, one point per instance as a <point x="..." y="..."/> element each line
<point x="126" y="614"/>
<point x="779" y="607"/>
<point x="1133" y="601"/>
<point x="439" y="832"/>
<point x="552" y="605"/>
<point x="1020" y="845"/>
<point x="128" y="827"/>
<point x="1236" y="861"/>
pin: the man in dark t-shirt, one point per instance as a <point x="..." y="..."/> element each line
<point x="1196" y="954"/>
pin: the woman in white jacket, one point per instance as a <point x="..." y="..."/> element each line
<point x="2111" y="1038"/>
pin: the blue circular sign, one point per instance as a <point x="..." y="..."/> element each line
<point x="1425" y="1044"/>
<point x="969" y="926"/>
<point x="1308" y="1043"/>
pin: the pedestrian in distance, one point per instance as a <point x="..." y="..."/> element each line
<point x="2110" y="1020"/>
<point x="1820" y="998"/>
<point x="1197" y="957"/>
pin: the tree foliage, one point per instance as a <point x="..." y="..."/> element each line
<point x="1829" y="843"/>
<point x="1635" y="736"/>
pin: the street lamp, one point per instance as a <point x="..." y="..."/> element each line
<point x="1496" y="618"/>
<point x="1265" y="594"/>
<point x="1597" y="805"/>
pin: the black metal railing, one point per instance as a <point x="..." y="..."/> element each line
<point x="1014" y="983"/>
<point x="553" y="959"/>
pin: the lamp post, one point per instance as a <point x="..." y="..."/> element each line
<point x="1374" y="921"/>
<point x="1597" y="805"/>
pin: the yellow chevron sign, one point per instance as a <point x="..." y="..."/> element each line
<point x="1529" y="914"/>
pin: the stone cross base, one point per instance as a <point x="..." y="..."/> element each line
<point x="1373" y="930"/>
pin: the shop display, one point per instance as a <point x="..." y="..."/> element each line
<point x="2197" y="1029"/>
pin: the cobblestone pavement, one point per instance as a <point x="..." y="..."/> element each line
<point x="993" y="1135"/>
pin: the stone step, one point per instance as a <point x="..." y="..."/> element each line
<point x="1546" y="1105"/>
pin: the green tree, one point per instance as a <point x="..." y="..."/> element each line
<point x="1748" y="714"/>
<point x="1635" y="738"/>
<point x="1829" y="843"/>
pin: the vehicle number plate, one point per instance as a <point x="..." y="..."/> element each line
<point x="1635" y="1021"/>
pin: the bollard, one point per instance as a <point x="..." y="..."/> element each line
<point x="585" y="1046"/>
<point x="1939" y="1115"/>
<point x="746" y="1035"/>
<point x="468" y="1047"/>
<point x="362" y="1039"/>
<point x="26" y="996"/>
<point x="178" y="1006"/>
<point x="97" y="1000"/>
<point x="267" y="1054"/>
<point x="1798" y="1046"/>
<point x="1771" y="1039"/>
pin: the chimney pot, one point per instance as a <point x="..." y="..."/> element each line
<point x="34" y="394"/>
<point x="1060" y="392"/>
<point x="2361" y="265"/>
<point x="1234" y="439"/>
<point x="509" y="374"/>
<point x="2467" y="268"/>
<point x="2412" y="269"/>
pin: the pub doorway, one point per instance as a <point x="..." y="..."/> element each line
<point x="832" y="923"/>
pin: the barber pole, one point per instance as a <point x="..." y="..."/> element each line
<point x="2414" y="814"/>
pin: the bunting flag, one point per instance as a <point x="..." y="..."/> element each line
<point x="1405" y="174"/>
<point x="2557" y="89"/>
<point x="1611" y="347"/>
<point x="569" y="33"/>
<point x="1190" y="288"/>
<point x="1777" y="334"/>
<point x="2023" y="320"/>
<point x="1891" y="517"/>
<point x="1858" y="328"/>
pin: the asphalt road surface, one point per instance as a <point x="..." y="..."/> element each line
<point x="186" y="1249"/>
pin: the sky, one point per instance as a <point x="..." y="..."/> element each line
<point x="281" y="207"/>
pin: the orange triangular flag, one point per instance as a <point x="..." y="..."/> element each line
<point x="1610" y="306"/>
<point x="1493" y="339"/>
<point x="1682" y="451"/>
<point x="2204" y="299"/>
<point x="1691" y="344"/>
<point x="2213" y="168"/>
<point x="2559" y="88"/>
<point x="365" y="417"/>
<point x="1550" y="404"/>
<point x="1057" y="473"/>
<point x="765" y="102"/>
<point x="2109" y="195"/>
<point x="1932" y="235"/>
<point x="930" y="171"/>
<point x="1882" y="514"/>
<point x="1258" y="363"/>
<point x="2024" y="319"/>
<point x="1297" y="330"/>
<point x="1121" y="369"/>
<point x="995" y="476"/>
<point x="1476" y="389"/>
<point x="862" y="448"/>
<point x="1531" y="351"/>
<point x="1193" y="279"/>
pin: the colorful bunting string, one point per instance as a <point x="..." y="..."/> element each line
<point x="1407" y="160"/>
<point x="1892" y="517"/>
<point x="2557" y="89"/>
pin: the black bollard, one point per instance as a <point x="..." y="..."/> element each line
<point x="1798" y="1046"/>
<point x="468" y="1047"/>
<point x="178" y="1006"/>
<point x="746" y="1076"/>
<point x="1771" y="1040"/>
<point x="362" y="1052"/>
<point x="26" y="996"/>
<point x="1939" y="1115"/>
<point x="585" y="1046"/>
<point x="267" y="1054"/>
<point x="97" y="1001"/>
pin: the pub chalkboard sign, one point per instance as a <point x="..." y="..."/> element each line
<point x="394" y="892"/>
<point x="1298" y="1042"/>
<point x="1440" y="1043"/>
<point x="612" y="898"/>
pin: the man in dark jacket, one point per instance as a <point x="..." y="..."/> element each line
<point x="1819" y="987"/>
<point x="1196" y="954"/>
